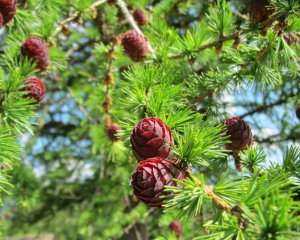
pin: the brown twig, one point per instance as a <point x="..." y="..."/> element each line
<point x="131" y="21"/>
<point x="200" y="98"/>
<point x="221" y="204"/>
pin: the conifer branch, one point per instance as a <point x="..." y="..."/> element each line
<point x="76" y="15"/>
<point x="271" y="105"/>
<point x="231" y="36"/>
<point x="221" y="204"/>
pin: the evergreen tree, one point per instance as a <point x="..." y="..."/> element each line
<point x="116" y="119"/>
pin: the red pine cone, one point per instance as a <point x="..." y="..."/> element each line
<point x="259" y="10"/>
<point x="140" y="17"/>
<point x="8" y="9"/>
<point x="112" y="130"/>
<point x="176" y="227"/>
<point x="240" y="135"/>
<point x="150" y="177"/>
<point x="298" y="112"/>
<point x="135" y="45"/>
<point x="290" y="38"/>
<point x="36" y="88"/>
<point x="36" y="49"/>
<point x="151" y="138"/>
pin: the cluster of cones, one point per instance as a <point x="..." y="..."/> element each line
<point x="151" y="141"/>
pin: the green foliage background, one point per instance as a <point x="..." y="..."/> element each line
<point x="65" y="177"/>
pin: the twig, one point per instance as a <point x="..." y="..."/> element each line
<point x="221" y="204"/>
<point x="264" y="107"/>
<point x="230" y="36"/>
<point x="76" y="15"/>
<point x="131" y="21"/>
<point x="200" y="98"/>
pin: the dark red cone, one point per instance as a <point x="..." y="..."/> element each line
<point x="112" y="130"/>
<point x="36" y="49"/>
<point x="135" y="46"/>
<point x="240" y="135"/>
<point x="8" y="10"/>
<point x="151" y="137"/>
<point x="259" y="10"/>
<point x="140" y="17"/>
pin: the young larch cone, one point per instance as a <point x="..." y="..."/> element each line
<point x="135" y="46"/>
<point x="112" y="130"/>
<point x="116" y="40"/>
<point x="176" y="227"/>
<point x="298" y="112"/>
<point x="8" y="10"/>
<point x="151" y="176"/>
<point x="151" y="137"/>
<point x="36" y="49"/>
<point x="239" y="134"/>
<point x="36" y="88"/>
<point x="140" y="17"/>
<point x="290" y="38"/>
<point x="260" y="10"/>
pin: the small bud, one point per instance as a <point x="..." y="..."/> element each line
<point x="78" y="20"/>
<point x="176" y="227"/>
<point x="108" y="79"/>
<point x="65" y="30"/>
<point x="277" y="27"/>
<point x="264" y="32"/>
<point x="94" y="15"/>
<point x="120" y="16"/>
<point x="4" y="167"/>
<point x="112" y="130"/>
<point x="116" y="40"/>
<point x="281" y="25"/>
<point x="237" y="42"/>
<point x="130" y="7"/>
<point x="111" y="55"/>
<point x="105" y="107"/>
<point x="111" y="3"/>
<point x="23" y="3"/>
<point x="107" y="121"/>
<point x="192" y="61"/>
<point x="219" y="47"/>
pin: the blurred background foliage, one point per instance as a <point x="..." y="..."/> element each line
<point x="71" y="181"/>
